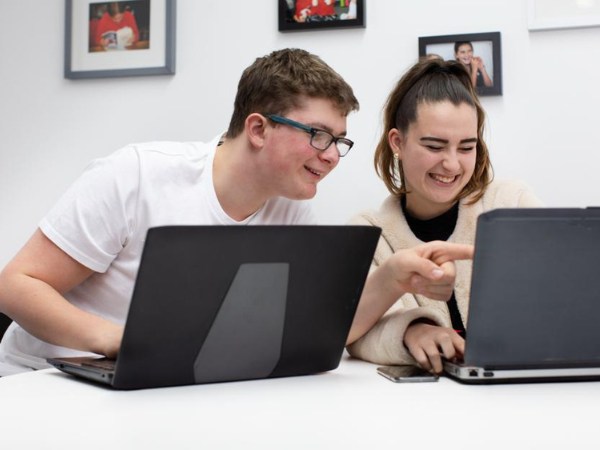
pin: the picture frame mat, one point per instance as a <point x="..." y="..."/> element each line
<point x="83" y="60"/>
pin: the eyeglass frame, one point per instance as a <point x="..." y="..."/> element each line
<point x="313" y="131"/>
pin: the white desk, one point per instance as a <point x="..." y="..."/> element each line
<point x="351" y="407"/>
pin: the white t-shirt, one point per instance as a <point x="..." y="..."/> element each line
<point x="101" y="222"/>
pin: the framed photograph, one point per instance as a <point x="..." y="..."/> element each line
<point x="555" y="14"/>
<point x="297" y="15"/>
<point x="479" y="52"/>
<point x="118" y="39"/>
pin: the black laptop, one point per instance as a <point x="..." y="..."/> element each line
<point x="534" y="312"/>
<point x="225" y="303"/>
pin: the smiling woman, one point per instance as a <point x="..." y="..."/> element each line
<point x="437" y="154"/>
<point x="433" y="159"/>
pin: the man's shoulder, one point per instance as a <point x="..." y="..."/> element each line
<point x="160" y="152"/>
<point x="152" y="156"/>
<point x="168" y="149"/>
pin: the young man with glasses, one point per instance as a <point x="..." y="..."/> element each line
<point x="69" y="287"/>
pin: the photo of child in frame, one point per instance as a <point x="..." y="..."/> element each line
<point x="121" y="25"/>
<point x="478" y="52"/>
<point x="322" y="10"/>
<point x="311" y="14"/>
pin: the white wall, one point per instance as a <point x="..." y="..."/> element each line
<point x="544" y="129"/>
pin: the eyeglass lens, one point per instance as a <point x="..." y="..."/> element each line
<point x="321" y="140"/>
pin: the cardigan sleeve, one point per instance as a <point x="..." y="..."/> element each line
<point x="383" y="250"/>
<point x="384" y="343"/>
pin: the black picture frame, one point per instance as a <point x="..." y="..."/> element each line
<point x="488" y="45"/>
<point x="289" y="20"/>
<point x="157" y="57"/>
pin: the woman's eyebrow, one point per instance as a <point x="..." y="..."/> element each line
<point x="445" y="141"/>
<point x="434" y="139"/>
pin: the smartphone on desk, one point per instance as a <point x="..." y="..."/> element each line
<point x="406" y="374"/>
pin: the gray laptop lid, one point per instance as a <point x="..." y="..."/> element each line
<point x="535" y="295"/>
<point x="223" y="303"/>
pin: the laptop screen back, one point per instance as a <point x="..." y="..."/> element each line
<point x="535" y="295"/>
<point x="188" y="321"/>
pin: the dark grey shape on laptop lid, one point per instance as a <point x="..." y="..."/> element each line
<point x="245" y="338"/>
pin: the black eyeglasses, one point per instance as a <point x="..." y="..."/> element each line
<point x="319" y="139"/>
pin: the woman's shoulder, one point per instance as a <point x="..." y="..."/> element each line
<point x="507" y="193"/>
<point x="506" y="184"/>
<point x="388" y="210"/>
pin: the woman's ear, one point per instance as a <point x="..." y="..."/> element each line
<point x="255" y="128"/>
<point x="396" y="141"/>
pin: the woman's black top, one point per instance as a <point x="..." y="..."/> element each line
<point x="439" y="228"/>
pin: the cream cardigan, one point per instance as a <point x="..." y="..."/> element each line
<point x="383" y="344"/>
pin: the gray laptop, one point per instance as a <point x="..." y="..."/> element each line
<point x="224" y="303"/>
<point x="535" y="297"/>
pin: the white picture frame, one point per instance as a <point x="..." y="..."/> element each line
<point x="557" y="14"/>
<point x="155" y="55"/>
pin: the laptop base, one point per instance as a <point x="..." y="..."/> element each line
<point x="479" y="375"/>
<point x="84" y="367"/>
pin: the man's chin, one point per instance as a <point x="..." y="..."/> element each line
<point x="305" y="194"/>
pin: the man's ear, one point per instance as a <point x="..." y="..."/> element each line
<point x="255" y="128"/>
<point x="396" y="141"/>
